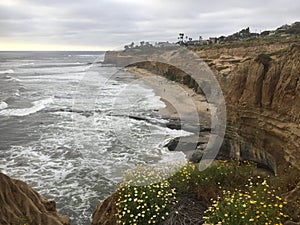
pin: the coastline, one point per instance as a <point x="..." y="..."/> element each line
<point x="184" y="109"/>
<point x="236" y="143"/>
<point x="171" y="91"/>
<point x="170" y="112"/>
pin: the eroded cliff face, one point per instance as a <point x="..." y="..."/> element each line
<point x="261" y="88"/>
<point x="105" y="212"/>
<point x="20" y="204"/>
<point x="263" y="104"/>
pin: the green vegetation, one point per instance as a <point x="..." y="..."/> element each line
<point x="249" y="42"/>
<point x="264" y="59"/>
<point x="229" y="190"/>
<point x="257" y="203"/>
<point x="220" y="68"/>
<point x="186" y="79"/>
<point x="144" y="204"/>
<point x="143" y="198"/>
<point x="279" y="52"/>
<point x="170" y="76"/>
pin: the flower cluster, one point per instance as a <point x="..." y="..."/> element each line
<point x="183" y="178"/>
<point x="256" y="205"/>
<point x="146" y="202"/>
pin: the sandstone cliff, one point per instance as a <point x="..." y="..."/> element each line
<point x="20" y="204"/>
<point x="263" y="103"/>
<point x="105" y="212"/>
<point x="261" y="87"/>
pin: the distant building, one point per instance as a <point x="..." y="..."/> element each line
<point x="197" y="42"/>
<point x="213" y="40"/>
<point x="165" y="44"/>
<point x="283" y="28"/>
<point x="254" y="35"/>
<point x="194" y="42"/>
<point x="272" y="33"/>
<point x="222" y="39"/>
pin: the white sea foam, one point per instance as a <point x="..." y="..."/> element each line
<point x="37" y="106"/>
<point x="137" y="96"/>
<point x="15" y="79"/>
<point x="3" y="105"/>
<point x="53" y="77"/>
<point x="79" y="158"/>
<point x="154" y="102"/>
<point x="7" y="71"/>
<point x="173" y="158"/>
<point x="12" y="78"/>
<point x="27" y="64"/>
<point x="177" y="133"/>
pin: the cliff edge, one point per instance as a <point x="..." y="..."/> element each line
<point x="263" y="103"/>
<point x="20" y="204"/>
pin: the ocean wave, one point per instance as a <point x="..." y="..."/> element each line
<point x="51" y="65"/>
<point x="175" y="158"/>
<point x="37" y="106"/>
<point x="7" y="71"/>
<point x="27" y="64"/>
<point x="3" y="105"/>
<point x="12" y="78"/>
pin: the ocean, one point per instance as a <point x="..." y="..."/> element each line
<point x="68" y="126"/>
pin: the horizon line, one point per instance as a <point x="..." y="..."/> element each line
<point x="54" y="50"/>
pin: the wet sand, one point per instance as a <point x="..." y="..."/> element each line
<point x="180" y="100"/>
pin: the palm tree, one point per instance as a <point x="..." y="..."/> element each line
<point x="180" y="38"/>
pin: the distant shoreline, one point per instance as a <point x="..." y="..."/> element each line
<point x="165" y="89"/>
<point x="178" y="110"/>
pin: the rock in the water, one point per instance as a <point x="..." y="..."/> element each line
<point x="20" y="204"/>
<point x="196" y="156"/>
<point x="172" y="144"/>
<point x="174" y="124"/>
<point x="188" y="143"/>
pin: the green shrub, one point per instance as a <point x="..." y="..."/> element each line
<point x="186" y="79"/>
<point x="206" y="184"/>
<point x="227" y="188"/>
<point x="264" y="59"/>
<point x="143" y="198"/>
<point x="257" y="203"/>
<point x="182" y="180"/>
<point x="170" y="75"/>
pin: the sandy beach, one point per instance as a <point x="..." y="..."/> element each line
<point x="180" y="100"/>
<point x="183" y="107"/>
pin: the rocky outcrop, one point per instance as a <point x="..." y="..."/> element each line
<point x="20" y="204"/>
<point x="105" y="212"/>
<point x="263" y="103"/>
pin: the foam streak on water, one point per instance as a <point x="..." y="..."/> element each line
<point x="9" y="71"/>
<point x="3" y="105"/>
<point x="66" y="128"/>
<point x="36" y="106"/>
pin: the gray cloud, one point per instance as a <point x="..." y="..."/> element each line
<point x="113" y="23"/>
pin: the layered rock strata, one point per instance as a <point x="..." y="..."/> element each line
<point x="20" y="204"/>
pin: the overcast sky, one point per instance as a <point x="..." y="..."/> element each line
<point x="110" y="24"/>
